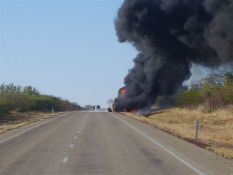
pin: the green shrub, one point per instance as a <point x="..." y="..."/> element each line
<point x="4" y="109"/>
<point x="23" y="99"/>
<point x="213" y="92"/>
<point x="192" y="97"/>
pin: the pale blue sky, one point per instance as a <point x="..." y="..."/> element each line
<point x="64" y="48"/>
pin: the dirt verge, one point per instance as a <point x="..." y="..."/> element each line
<point x="216" y="129"/>
<point x="16" y="120"/>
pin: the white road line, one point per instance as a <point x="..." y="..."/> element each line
<point x="65" y="160"/>
<point x="161" y="146"/>
<point x="72" y="146"/>
<point x="75" y="137"/>
<point x="78" y="132"/>
<point x="14" y="136"/>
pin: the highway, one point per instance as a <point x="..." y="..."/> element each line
<point x="98" y="143"/>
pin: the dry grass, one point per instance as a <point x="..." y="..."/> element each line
<point x="16" y="120"/>
<point x="216" y="132"/>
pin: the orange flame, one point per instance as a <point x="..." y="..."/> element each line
<point x="122" y="92"/>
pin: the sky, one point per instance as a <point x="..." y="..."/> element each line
<point x="64" y="48"/>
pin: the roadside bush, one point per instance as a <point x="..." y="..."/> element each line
<point x="213" y="92"/>
<point x="4" y="109"/>
<point x="228" y="95"/>
<point x="192" y="97"/>
<point x="23" y="99"/>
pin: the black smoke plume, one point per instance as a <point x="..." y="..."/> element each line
<point x="170" y="35"/>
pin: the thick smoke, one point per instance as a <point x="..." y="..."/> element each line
<point x="170" y="35"/>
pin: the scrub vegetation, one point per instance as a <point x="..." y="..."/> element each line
<point x="14" y="98"/>
<point x="213" y="92"/>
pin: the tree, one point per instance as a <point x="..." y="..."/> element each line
<point x="228" y="79"/>
<point x="192" y="97"/>
<point x="31" y="91"/>
<point x="213" y="80"/>
<point x="4" y="109"/>
<point x="23" y="99"/>
<point x="211" y="87"/>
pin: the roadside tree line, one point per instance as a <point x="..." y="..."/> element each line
<point x="24" y="99"/>
<point x="213" y="92"/>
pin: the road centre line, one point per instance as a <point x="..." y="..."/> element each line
<point x="160" y="145"/>
<point x="65" y="160"/>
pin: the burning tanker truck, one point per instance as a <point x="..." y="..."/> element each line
<point x="119" y="108"/>
<point x="170" y="36"/>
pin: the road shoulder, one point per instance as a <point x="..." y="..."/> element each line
<point x="24" y="127"/>
<point x="202" y="159"/>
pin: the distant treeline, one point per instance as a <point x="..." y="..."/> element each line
<point x="212" y="92"/>
<point x="24" y="99"/>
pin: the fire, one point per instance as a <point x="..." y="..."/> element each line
<point x="139" y="111"/>
<point x="135" y="111"/>
<point x="122" y="92"/>
<point x="143" y="111"/>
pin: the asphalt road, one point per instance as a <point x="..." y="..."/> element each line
<point x="88" y="143"/>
